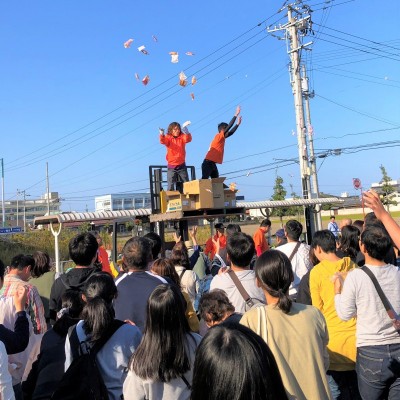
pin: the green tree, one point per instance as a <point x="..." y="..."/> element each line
<point x="387" y="188"/>
<point x="279" y="194"/>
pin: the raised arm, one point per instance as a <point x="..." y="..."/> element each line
<point x="373" y="201"/>
<point x="230" y="132"/>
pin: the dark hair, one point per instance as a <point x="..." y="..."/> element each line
<point x="2" y="270"/>
<point x="240" y="248"/>
<point x="274" y="272"/>
<point x="332" y="216"/>
<point x="222" y="126"/>
<point x="349" y="241"/>
<point x="83" y="249"/>
<point x="313" y="258"/>
<point x="265" y="222"/>
<point x="232" y="362"/>
<point x="359" y="224"/>
<point x="370" y="218"/>
<point x="156" y="243"/>
<point x="173" y="125"/>
<point x="214" y="306"/>
<point x="98" y="312"/>
<point x="293" y="229"/>
<point x="72" y="300"/>
<point x="137" y="253"/>
<point x="42" y="264"/>
<point x="376" y="240"/>
<point x="21" y="261"/>
<point x="180" y="255"/>
<point x="162" y="353"/>
<point x="164" y="267"/>
<point x="324" y="239"/>
<point x="232" y="228"/>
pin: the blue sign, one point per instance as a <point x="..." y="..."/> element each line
<point x="15" y="229"/>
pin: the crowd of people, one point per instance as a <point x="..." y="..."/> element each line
<point x="246" y="320"/>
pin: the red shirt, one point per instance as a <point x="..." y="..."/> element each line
<point x="210" y="248"/>
<point x="102" y="256"/>
<point x="176" y="153"/>
<point x="216" y="151"/>
<point x="260" y="242"/>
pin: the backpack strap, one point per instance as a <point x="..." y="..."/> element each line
<point x="188" y="385"/>
<point x="241" y="288"/>
<point x="385" y="301"/>
<point x="294" y="251"/>
<point x="181" y="274"/>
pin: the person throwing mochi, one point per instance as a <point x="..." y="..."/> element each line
<point x="215" y="154"/>
<point x="175" y="141"/>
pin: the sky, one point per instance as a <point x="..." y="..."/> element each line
<point x="69" y="95"/>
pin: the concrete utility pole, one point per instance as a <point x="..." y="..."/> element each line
<point x="2" y="193"/>
<point x="47" y="188"/>
<point x="296" y="26"/>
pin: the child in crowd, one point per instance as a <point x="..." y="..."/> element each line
<point x="175" y="141"/>
<point x="215" y="154"/>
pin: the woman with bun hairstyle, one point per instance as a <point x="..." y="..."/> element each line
<point x="97" y="321"/>
<point x="296" y="334"/>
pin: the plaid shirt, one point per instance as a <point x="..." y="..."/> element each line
<point x="34" y="303"/>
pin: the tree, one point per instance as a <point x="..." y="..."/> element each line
<point x="386" y="189"/>
<point x="279" y="194"/>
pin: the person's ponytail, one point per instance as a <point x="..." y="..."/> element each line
<point x="284" y="302"/>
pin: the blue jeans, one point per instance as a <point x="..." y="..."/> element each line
<point x="378" y="372"/>
<point x="343" y="385"/>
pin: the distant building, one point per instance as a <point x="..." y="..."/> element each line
<point x="122" y="201"/>
<point x="31" y="208"/>
<point x="378" y="186"/>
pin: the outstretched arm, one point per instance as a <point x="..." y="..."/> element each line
<point x="373" y="201"/>
<point x="230" y="132"/>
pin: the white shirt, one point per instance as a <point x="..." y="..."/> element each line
<point x="301" y="263"/>
<point x="247" y="279"/>
<point x="6" y="389"/>
<point x="360" y="299"/>
<point x="189" y="282"/>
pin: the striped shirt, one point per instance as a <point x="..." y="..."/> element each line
<point x="34" y="308"/>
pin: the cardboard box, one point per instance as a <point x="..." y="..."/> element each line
<point x="177" y="201"/>
<point x="201" y="191"/>
<point x="218" y="192"/>
<point x="230" y="198"/>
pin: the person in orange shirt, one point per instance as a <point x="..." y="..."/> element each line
<point x="259" y="237"/>
<point x="102" y="255"/>
<point x="215" y="154"/>
<point x="175" y="141"/>
<point x="209" y="250"/>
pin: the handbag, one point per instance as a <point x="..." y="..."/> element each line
<point x="388" y="307"/>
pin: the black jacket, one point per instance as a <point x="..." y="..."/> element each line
<point x="17" y="340"/>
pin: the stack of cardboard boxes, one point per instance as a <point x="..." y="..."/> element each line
<point x="198" y="195"/>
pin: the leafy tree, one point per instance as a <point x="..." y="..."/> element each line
<point x="279" y="194"/>
<point x="387" y="188"/>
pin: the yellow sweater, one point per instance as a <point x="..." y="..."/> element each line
<point x="342" y="334"/>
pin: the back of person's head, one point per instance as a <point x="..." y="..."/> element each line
<point x="83" y="249"/>
<point x="275" y="275"/>
<point x="71" y="308"/>
<point x="2" y="270"/>
<point x="265" y="223"/>
<point x="164" y="267"/>
<point x="349" y="240"/>
<point x="137" y="253"/>
<point x="42" y="264"/>
<point x="22" y="261"/>
<point x="162" y="353"/>
<point x="359" y="224"/>
<point x="214" y="306"/>
<point x="222" y="127"/>
<point x="240" y="248"/>
<point x="233" y="362"/>
<point x="324" y="239"/>
<point x="98" y="313"/>
<point x="180" y="255"/>
<point x="232" y="228"/>
<point x="293" y="229"/>
<point x="370" y="218"/>
<point x="156" y="243"/>
<point x="376" y="240"/>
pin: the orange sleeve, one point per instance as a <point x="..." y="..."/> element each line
<point x="103" y="258"/>
<point x="209" y="247"/>
<point x="187" y="137"/>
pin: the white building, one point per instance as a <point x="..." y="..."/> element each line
<point x="122" y="201"/>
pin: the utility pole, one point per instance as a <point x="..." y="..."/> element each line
<point x="2" y="193"/>
<point x="18" y="207"/>
<point x="296" y="27"/>
<point x="307" y="94"/>
<point x="47" y="188"/>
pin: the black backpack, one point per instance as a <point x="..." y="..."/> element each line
<point x="82" y="380"/>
